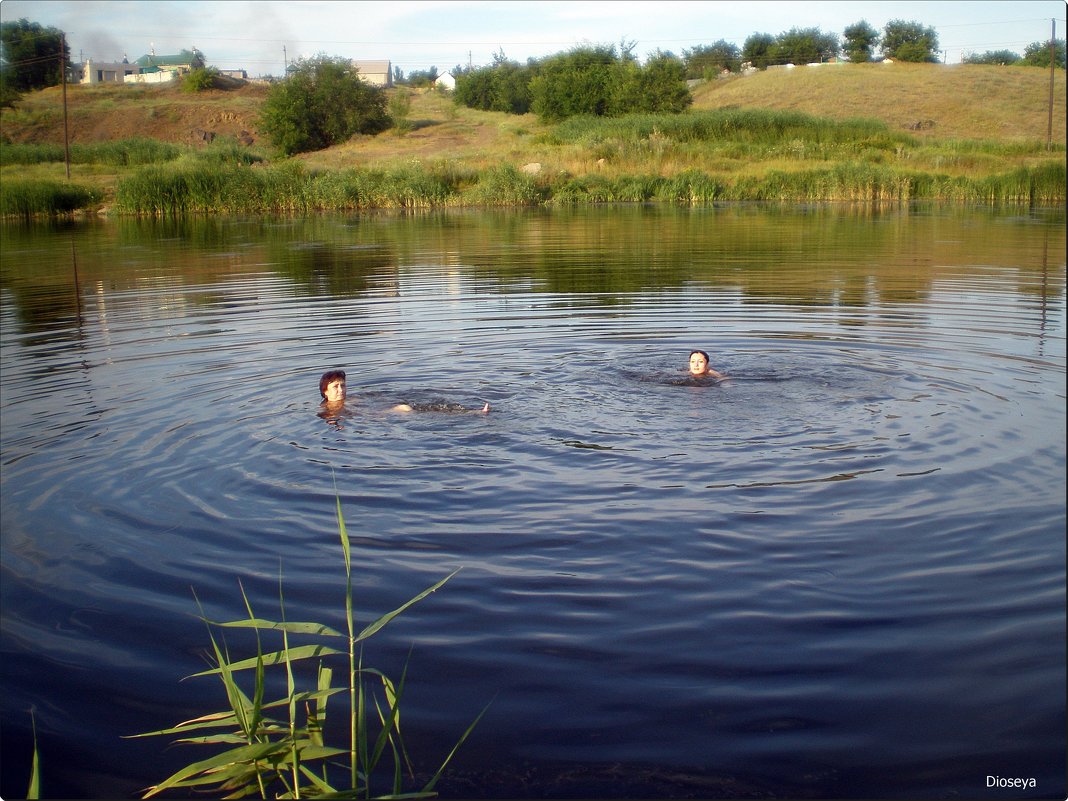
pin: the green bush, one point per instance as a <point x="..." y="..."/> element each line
<point x="200" y="80"/>
<point x="400" y="107"/>
<point x="323" y="102"/>
<point x="503" y="87"/>
<point x="577" y="82"/>
<point x="587" y="80"/>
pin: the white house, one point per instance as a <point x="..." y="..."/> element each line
<point x="446" y="81"/>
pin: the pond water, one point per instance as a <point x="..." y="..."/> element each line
<point x="839" y="573"/>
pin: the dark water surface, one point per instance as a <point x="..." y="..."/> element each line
<point x="839" y="574"/>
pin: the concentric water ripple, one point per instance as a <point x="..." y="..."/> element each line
<point x="838" y="568"/>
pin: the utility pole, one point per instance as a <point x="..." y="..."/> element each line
<point x="285" y="63"/>
<point x="63" y="71"/>
<point x="1052" y="74"/>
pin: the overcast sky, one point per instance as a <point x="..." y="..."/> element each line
<point x="261" y="35"/>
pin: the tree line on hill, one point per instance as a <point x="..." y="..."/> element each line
<point x="611" y="82"/>
<point x="324" y="102"/>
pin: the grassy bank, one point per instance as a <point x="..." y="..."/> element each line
<point x="719" y="151"/>
<point x="167" y="191"/>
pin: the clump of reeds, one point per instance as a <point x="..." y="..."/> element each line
<point x="118" y="153"/>
<point x="288" y="756"/>
<point x="31" y="198"/>
<point x="504" y="186"/>
<point x="225" y="183"/>
<point x="30" y="153"/>
<point x="227" y="150"/>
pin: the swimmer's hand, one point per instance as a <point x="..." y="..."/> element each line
<point x="485" y="409"/>
<point x="402" y="407"/>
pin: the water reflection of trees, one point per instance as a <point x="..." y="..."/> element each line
<point x="848" y="256"/>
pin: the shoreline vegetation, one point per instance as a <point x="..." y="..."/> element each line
<point x="449" y="156"/>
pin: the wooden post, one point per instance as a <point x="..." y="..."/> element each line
<point x="1052" y="74"/>
<point x="66" y="127"/>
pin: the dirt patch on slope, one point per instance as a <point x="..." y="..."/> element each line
<point x="99" y="114"/>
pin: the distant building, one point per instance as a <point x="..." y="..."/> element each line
<point x="94" y="72"/>
<point x="163" y="69"/>
<point x="446" y="81"/>
<point x="376" y="73"/>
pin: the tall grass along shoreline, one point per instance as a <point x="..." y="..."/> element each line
<point x="691" y="159"/>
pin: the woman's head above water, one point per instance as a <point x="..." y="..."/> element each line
<point x="699" y="365"/>
<point x="332" y="386"/>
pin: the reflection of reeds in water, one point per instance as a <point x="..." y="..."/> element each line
<point x="289" y="755"/>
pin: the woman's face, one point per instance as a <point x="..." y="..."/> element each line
<point x="698" y="364"/>
<point x="335" y="391"/>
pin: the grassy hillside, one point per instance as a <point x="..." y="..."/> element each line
<point x="949" y="132"/>
<point x="967" y="101"/>
<point x="963" y="101"/>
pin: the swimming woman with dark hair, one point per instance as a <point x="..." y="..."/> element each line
<point x="332" y="386"/>
<point x="332" y="390"/>
<point x="699" y="366"/>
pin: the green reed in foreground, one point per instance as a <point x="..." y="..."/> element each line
<point x="34" y="790"/>
<point x="288" y="756"/>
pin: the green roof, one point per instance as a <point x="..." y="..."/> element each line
<point x="163" y="61"/>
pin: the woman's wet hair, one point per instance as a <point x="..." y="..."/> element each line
<point x="692" y="352"/>
<point x="327" y="377"/>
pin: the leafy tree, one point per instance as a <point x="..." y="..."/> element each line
<point x="658" y="87"/>
<point x="909" y="41"/>
<point x="804" y="46"/>
<point x="580" y="81"/>
<point x="1036" y="54"/>
<point x="757" y="50"/>
<point x="420" y="79"/>
<point x="505" y="86"/>
<point x="705" y="61"/>
<point x="993" y="57"/>
<point x="626" y="49"/>
<point x="8" y="96"/>
<point x="512" y="88"/>
<point x="194" y="58"/>
<point x="322" y="103"/>
<point x="398" y="75"/>
<point x="861" y="39"/>
<point x="31" y="57"/>
<point x="475" y="88"/>
<point x="594" y="80"/>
